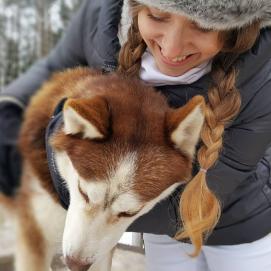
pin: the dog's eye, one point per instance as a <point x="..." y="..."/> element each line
<point x="127" y="214"/>
<point x="84" y="195"/>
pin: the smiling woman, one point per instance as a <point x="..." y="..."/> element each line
<point x="176" y="43"/>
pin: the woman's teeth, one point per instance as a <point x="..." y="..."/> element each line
<point x="179" y="58"/>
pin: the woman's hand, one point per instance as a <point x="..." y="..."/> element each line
<point x="10" y="159"/>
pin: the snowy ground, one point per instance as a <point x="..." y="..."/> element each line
<point x="123" y="259"/>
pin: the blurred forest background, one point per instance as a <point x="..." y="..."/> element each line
<point x="28" y="30"/>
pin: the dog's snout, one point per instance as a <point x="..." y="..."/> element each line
<point x="77" y="265"/>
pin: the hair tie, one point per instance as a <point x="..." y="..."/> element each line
<point x="203" y="169"/>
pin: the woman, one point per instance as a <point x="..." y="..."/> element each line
<point x="219" y="50"/>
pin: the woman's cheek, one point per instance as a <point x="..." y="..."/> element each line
<point x="207" y="43"/>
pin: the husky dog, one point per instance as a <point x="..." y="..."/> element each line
<point x="120" y="149"/>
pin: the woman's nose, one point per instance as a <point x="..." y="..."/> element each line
<point x="174" y="43"/>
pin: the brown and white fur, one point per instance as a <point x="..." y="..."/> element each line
<point x="121" y="150"/>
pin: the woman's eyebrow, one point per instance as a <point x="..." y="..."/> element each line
<point x="158" y="11"/>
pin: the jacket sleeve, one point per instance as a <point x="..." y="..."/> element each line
<point x="163" y="218"/>
<point x="245" y="143"/>
<point x="68" y="52"/>
<point x="248" y="137"/>
<point x="15" y="97"/>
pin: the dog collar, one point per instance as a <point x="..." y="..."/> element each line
<point x="58" y="182"/>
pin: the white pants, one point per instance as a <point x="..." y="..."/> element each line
<point x="166" y="254"/>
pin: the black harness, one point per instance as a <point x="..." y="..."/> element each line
<point x="59" y="183"/>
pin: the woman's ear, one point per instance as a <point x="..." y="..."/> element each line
<point x="184" y="125"/>
<point x="89" y="117"/>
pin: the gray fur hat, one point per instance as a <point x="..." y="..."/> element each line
<point x="218" y="14"/>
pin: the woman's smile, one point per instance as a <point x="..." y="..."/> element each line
<point x="176" y="61"/>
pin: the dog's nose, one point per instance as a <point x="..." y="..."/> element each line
<point x="76" y="265"/>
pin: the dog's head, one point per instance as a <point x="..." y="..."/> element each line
<point x="122" y="149"/>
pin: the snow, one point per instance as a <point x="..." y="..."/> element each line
<point x="126" y="238"/>
<point x="55" y="19"/>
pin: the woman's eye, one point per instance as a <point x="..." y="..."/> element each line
<point x="156" y="18"/>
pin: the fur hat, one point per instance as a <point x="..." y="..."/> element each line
<point x="218" y="14"/>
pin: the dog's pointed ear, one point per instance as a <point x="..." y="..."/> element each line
<point x="90" y="117"/>
<point x="184" y="124"/>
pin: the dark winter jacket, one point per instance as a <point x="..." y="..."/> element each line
<point x="241" y="177"/>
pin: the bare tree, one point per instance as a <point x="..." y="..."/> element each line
<point x="27" y="32"/>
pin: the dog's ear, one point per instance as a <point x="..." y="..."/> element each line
<point x="184" y="124"/>
<point x="90" y="117"/>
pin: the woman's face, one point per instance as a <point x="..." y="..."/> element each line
<point x="176" y="43"/>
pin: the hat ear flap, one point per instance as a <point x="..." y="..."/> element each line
<point x="184" y="125"/>
<point x="89" y="117"/>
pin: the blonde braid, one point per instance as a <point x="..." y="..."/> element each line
<point x="200" y="209"/>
